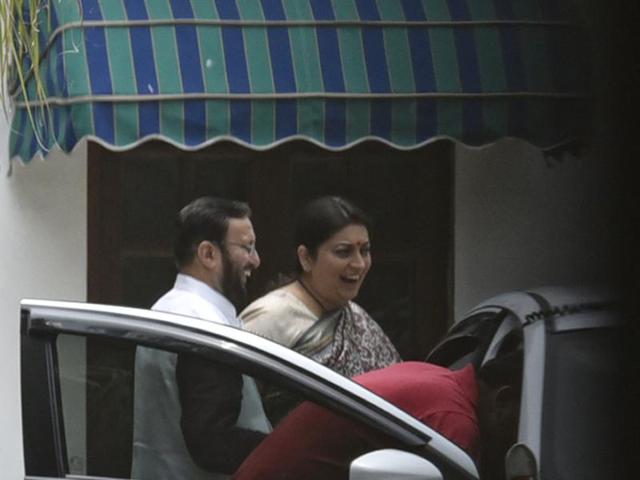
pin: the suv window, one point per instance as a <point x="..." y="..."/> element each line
<point x="584" y="396"/>
<point x="149" y="413"/>
<point x="96" y="393"/>
<point x="467" y="341"/>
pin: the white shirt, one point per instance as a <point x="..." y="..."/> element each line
<point x="190" y="296"/>
<point x="159" y="450"/>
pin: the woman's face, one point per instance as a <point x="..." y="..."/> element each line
<point x="338" y="269"/>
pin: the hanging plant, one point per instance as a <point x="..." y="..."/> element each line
<point x="20" y="54"/>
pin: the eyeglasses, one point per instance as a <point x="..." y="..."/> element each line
<point x="250" y="249"/>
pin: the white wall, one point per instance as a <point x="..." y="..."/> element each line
<point x="522" y="222"/>
<point x="43" y="210"/>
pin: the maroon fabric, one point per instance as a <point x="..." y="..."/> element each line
<point x="314" y="443"/>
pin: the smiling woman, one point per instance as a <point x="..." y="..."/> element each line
<point x="315" y="314"/>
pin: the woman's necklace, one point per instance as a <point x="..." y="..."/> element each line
<point x="312" y="295"/>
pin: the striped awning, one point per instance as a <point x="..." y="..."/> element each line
<point x="405" y="72"/>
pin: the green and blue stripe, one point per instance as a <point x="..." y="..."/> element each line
<point x="332" y="71"/>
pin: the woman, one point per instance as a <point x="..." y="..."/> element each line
<point x="315" y="314"/>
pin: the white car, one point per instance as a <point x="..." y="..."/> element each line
<point x="78" y="383"/>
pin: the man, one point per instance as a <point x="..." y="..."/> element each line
<point x="194" y="418"/>
<point x="479" y="412"/>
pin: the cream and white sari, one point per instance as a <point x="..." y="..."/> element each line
<point x="347" y="340"/>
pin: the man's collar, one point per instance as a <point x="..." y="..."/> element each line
<point x="192" y="284"/>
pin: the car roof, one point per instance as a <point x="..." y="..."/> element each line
<point x="550" y="301"/>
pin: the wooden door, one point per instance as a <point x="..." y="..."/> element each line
<point x="135" y="195"/>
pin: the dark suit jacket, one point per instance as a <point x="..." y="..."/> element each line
<point x="211" y="397"/>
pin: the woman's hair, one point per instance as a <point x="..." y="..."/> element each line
<point x="319" y="219"/>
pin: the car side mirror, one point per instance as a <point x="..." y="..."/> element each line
<point x="392" y="464"/>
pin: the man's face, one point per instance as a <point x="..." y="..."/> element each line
<point x="239" y="259"/>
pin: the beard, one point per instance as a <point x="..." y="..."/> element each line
<point x="233" y="285"/>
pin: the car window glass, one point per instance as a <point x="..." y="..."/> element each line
<point x="73" y="389"/>
<point x="584" y="400"/>
<point x="467" y="341"/>
<point x="139" y="412"/>
<point x="96" y="394"/>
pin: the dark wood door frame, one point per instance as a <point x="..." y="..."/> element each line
<point x="271" y="185"/>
